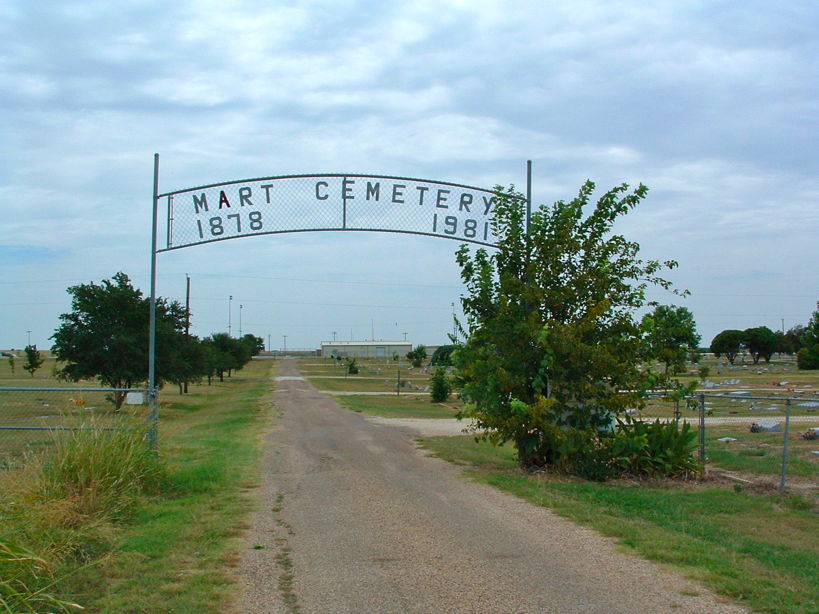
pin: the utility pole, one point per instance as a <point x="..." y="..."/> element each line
<point x="405" y="336"/>
<point x="187" y="318"/>
<point x="230" y="311"/>
<point x="285" y="344"/>
<point x="29" y="336"/>
<point x="334" y="336"/>
<point x="269" y="347"/>
<point x="240" y="320"/>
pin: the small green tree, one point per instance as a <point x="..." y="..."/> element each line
<point x="672" y="335"/>
<point x="441" y="385"/>
<point x="553" y="346"/>
<point x="417" y="356"/>
<point x="33" y="359"/>
<point x="808" y="355"/>
<point x="105" y="336"/>
<point x="442" y="357"/>
<point x="352" y="367"/>
<point x="728" y="343"/>
<point x="11" y="364"/>
<point x="761" y="342"/>
<point x="793" y="339"/>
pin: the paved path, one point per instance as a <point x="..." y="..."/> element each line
<point x="354" y="518"/>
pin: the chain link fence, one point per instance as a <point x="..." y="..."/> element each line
<point x="32" y="419"/>
<point x="738" y="431"/>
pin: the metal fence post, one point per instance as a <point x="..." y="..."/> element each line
<point x="702" y="431"/>
<point x="785" y="445"/>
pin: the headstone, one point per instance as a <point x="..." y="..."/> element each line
<point x="727" y="439"/>
<point x="134" y="398"/>
<point x="768" y="426"/>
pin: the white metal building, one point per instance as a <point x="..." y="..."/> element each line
<point x="365" y="349"/>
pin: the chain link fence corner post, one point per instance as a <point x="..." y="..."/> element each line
<point x="153" y="419"/>
<point x="702" y="431"/>
<point x="784" y="473"/>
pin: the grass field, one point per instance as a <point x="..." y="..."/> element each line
<point x="373" y="376"/>
<point x="391" y="406"/>
<point x="759" y="549"/>
<point x="174" y="552"/>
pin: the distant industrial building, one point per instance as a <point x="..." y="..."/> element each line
<point x="365" y="349"/>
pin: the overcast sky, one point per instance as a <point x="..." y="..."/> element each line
<point x="712" y="104"/>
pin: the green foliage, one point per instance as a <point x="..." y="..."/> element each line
<point x="33" y="359"/>
<point x="761" y="342"/>
<point x="672" y="335"/>
<point x="11" y="364"/>
<point x="417" y="356"/>
<point x="441" y="387"/>
<point x="728" y="343"/>
<point x="105" y="336"/>
<point x="636" y="448"/>
<point x="793" y="339"/>
<point x="102" y="472"/>
<point x="552" y="338"/>
<point x="352" y="367"/>
<point x="808" y="355"/>
<point x="442" y="357"/>
<point x="26" y="582"/>
<point x="703" y="372"/>
<point x="654" y="448"/>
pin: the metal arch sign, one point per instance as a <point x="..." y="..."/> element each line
<point x="304" y="203"/>
<point x="327" y="202"/>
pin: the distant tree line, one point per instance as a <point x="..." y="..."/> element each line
<point x="105" y="337"/>
<point x="762" y="343"/>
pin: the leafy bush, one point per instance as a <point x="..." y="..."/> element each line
<point x="417" y="356"/>
<point x="653" y="448"/>
<point x="352" y="367"/>
<point x="635" y="448"/>
<point x="441" y="386"/>
<point x="808" y="358"/>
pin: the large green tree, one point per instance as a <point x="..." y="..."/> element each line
<point x="552" y="338"/>
<point x="808" y="356"/>
<point x="105" y="335"/>
<point x="761" y="342"/>
<point x="672" y="335"/>
<point x="728" y="343"/>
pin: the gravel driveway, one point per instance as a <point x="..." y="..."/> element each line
<point x="353" y="518"/>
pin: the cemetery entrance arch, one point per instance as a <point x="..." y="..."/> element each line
<point x="314" y="203"/>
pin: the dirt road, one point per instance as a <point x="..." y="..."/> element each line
<point x="354" y="519"/>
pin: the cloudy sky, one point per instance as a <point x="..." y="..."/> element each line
<point x="714" y="105"/>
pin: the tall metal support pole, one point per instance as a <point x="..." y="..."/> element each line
<point x="187" y="317"/>
<point x="702" y="431"/>
<point x="528" y="194"/>
<point x="784" y="474"/>
<point x="153" y="411"/>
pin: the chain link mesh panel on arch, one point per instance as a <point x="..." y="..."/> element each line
<point x="302" y="203"/>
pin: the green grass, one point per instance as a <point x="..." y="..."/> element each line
<point x="394" y="406"/>
<point x="761" y="452"/>
<point x="759" y="549"/>
<point x="173" y="551"/>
